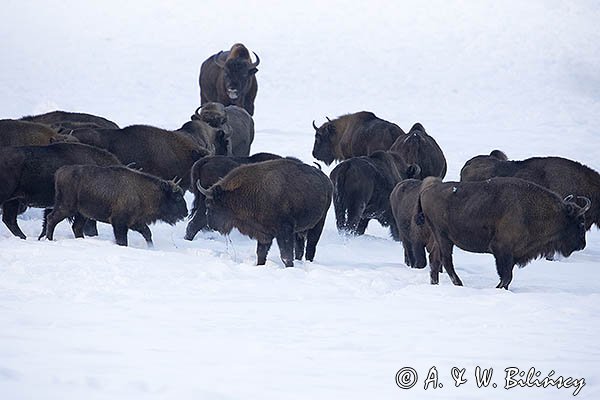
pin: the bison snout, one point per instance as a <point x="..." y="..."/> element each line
<point x="232" y="93"/>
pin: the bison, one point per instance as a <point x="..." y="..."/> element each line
<point x="353" y="135"/>
<point x="362" y="187"/>
<point x="234" y="121"/>
<point x="123" y="197"/>
<point x="421" y="149"/>
<point x="24" y="133"/>
<point x="560" y="175"/>
<point x="283" y="199"/>
<point x="415" y="238"/>
<point x="27" y="175"/>
<point x="166" y="154"/>
<point x="513" y="219"/>
<point x="229" y="77"/>
<point x="207" y="171"/>
<point x="65" y="120"/>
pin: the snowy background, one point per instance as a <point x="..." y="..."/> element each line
<point x="198" y="320"/>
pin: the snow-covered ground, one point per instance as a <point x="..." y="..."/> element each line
<point x="84" y="318"/>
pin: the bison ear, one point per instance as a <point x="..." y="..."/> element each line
<point x="252" y="71"/>
<point x="413" y="171"/>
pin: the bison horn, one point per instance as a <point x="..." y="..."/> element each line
<point x="218" y="61"/>
<point x="205" y="192"/>
<point x="568" y="198"/>
<point x="255" y="64"/>
<point x="197" y="109"/>
<point x="328" y="119"/>
<point x="588" y="204"/>
<point x="177" y="182"/>
<point x="315" y="126"/>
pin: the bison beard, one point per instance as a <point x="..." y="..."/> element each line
<point x="515" y="220"/>
<point x="282" y="199"/>
<point x="125" y="198"/>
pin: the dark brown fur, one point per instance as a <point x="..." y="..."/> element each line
<point x="27" y="175"/>
<point x="415" y="238"/>
<point x="282" y="199"/>
<point x="234" y="121"/>
<point x="166" y="154"/>
<point x="125" y="198"/>
<point x="24" y="133"/>
<point x="229" y="78"/>
<point x="362" y="187"/>
<point x="65" y="120"/>
<point x="421" y="149"/>
<point x="353" y="135"/>
<point x="513" y="219"/>
<point x="208" y="171"/>
<point x="560" y="175"/>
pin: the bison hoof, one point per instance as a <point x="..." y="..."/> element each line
<point x="288" y="263"/>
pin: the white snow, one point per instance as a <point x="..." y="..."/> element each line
<point x="84" y="318"/>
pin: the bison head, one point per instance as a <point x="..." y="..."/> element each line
<point x="323" y="147"/>
<point x="212" y="113"/>
<point x="172" y="206"/>
<point x="237" y="74"/>
<point x="218" y="214"/>
<point x="480" y="168"/>
<point x="573" y="235"/>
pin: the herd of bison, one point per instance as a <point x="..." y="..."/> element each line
<point x="85" y="168"/>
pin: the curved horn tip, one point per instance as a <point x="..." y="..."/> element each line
<point x="197" y="109"/>
<point x="255" y="64"/>
<point x="202" y="190"/>
<point x="315" y="126"/>
<point x="328" y="119"/>
<point x="568" y="198"/>
<point x="588" y="204"/>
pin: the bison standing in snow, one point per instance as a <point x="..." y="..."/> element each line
<point x="415" y="238"/>
<point x="207" y="171"/>
<point x="362" y="187"/>
<point x="513" y="219"/>
<point x="229" y="78"/>
<point x="558" y="174"/>
<point x="417" y="147"/>
<point x="283" y="199"/>
<point x="125" y="198"/>
<point x="353" y="135"/>
<point x="27" y="175"/>
<point x="234" y="121"/>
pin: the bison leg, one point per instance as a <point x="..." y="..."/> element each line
<point x="299" y="242"/>
<point x="394" y="231"/>
<point x="285" y="241"/>
<point x="10" y="210"/>
<point x="409" y="258"/>
<point x="120" y="231"/>
<point x="504" y="266"/>
<point x="90" y="228"/>
<point x="57" y="215"/>
<point x="198" y="220"/>
<point x="445" y="254"/>
<point x="419" y="256"/>
<point x="79" y="225"/>
<point x="312" y="238"/>
<point x="146" y="233"/>
<point x="44" y="223"/>
<point x="262" y="249"/>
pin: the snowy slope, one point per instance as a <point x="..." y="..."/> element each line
<point x="88" y="319"/>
